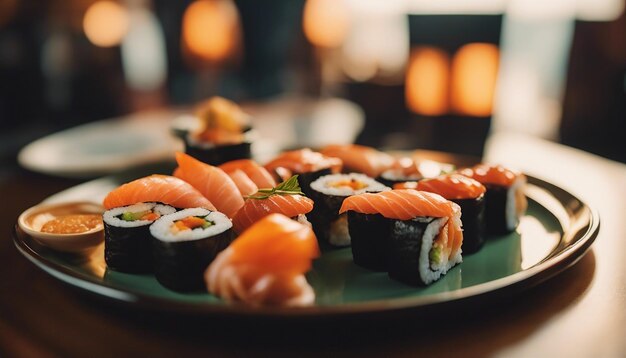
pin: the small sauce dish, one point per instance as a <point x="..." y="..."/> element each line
<point x="69" y="227"/>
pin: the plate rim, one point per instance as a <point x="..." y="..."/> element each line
<point x="534" y="275"/>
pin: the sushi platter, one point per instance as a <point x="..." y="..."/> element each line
<point x="346" y="230"/>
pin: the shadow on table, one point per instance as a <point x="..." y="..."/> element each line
<point x="477" y="328"/>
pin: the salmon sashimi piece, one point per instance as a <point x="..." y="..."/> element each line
<point x="304" y="161"/>
<point x="491" y="174"/>
<point x="407" y="204"/>
<point x="157" y="188"/>
<point x="266" y="264"/>
<point x="211" y="181"/>
<point x="245" y="185"/>
<point x="452" y="186"/>
<point x="259" y="175"/>
<point x="255" y="209"/>
<point x="360" y="158"/>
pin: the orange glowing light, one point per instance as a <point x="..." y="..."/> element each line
<point x="325" y="22"/>
<point x="106" y="23"/>
<point x="210" y="29"/>
<point x="427" y="81"/>
<point x="474" y="73"/>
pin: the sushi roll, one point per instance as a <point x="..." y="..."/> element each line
<point x="266" y="264"/>
<point x="505" y="201"/>
<point x="328" y="193"/>
<point x="416" y="236"/>
<point x="403" y="170"/>
<point x="286" y="198"/>
<point x="185" y="243"/>
<point x="127" y="246"/>
<point x="221" y="136"/>
<point x="470" y="196"/>
<point x="360" y="159"/>
<point x="307" y="164"/>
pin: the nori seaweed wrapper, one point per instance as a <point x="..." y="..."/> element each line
<point x="128" y="249"/>
<point x="473" y="219"/>
<point x="219" y="154"/>
<point x="325" y="212"/>
<point x="305" y="180"/>
<point x="180" y="265"/>
<point x="369" y="234"/>
<point x="404" y="250"/>
<point x="495" y="210"/>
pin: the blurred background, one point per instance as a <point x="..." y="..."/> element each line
<point x="431" y="74"/>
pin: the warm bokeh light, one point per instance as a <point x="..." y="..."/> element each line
<point x="325" y="22"/>
<point x="474" y="73"/>
<point x="210" y="29"/>
<point x="427" y="81"/>
<point x="7" y="10"/>
<point x="106" y="23"/>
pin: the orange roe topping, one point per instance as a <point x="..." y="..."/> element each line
<point x="72" y="224"/>
<point x="452" y="186"/>
<point x="491" y="174"/>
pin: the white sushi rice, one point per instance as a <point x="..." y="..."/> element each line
<point x="339" y="234"/>
<point x="111" y="217"/>
<point x="323" y="185"/>
<point x="514" y="194"/>
<point x="161" y="229"/>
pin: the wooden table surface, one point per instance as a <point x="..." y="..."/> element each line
<point x="579" y="313"/>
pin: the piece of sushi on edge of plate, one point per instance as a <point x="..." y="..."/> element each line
<point x="127" y="240"/>
<point x="415" y="236"/>
<point x="185" y="243"/>
<point x="222" y="135"/>
<point x="469" y="194"/>
<point x="266" y="265"/>
<point x="328" y="193"/>
<point x="286" y="198"/>
<point x="306" y="163"/>
<point x="360" y="158"/>
<point x="505" y="200"/>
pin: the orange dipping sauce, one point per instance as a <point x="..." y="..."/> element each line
<point x="72" y="224"/>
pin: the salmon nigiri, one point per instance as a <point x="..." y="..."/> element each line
<point x="412" y="234"/>
<point x="360" y="158"/>
<point x="157" y="188"/>
<point x="245" y="185"/>
<point x="266" y="264"/>
<point x="259" y="175"/>
<point x="211" y="181"/>
<point x="286" y="199"/>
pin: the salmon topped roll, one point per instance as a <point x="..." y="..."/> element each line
<point x="469" y="194"/>
<point x="286" y="199"/>
<point x="211" y="181"/>
<point x="157" y="188"/>
<point x="505" y="201"/>
<point x="360" y="159"/>
<point x="416" y="236"/>
<point x="309" y="166"/>
<point x="266" y="264"/>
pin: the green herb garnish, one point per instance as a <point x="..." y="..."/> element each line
<point x="288" y="187"/>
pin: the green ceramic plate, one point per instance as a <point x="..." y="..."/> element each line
<point x="556" y="231"/>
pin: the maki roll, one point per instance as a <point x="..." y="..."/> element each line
<point x="266" y="265"/>
<point x="505" y="201"/>
<point x="328" y="192"/>
<point x="360" y="159"/>
<point x="221" y="136"/>
<point x="307" y="164"/>
<point x="470" y="196"/>
<point x="416" y="236"/>
<point x="185" y="243"/>
<point x="127" y="238"/>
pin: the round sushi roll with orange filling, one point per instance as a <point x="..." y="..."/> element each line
<point x="505" y="201"/>
<point x="266" y="264"/>
<point x="414" y="235"/>
<point x="185" y="243"/>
